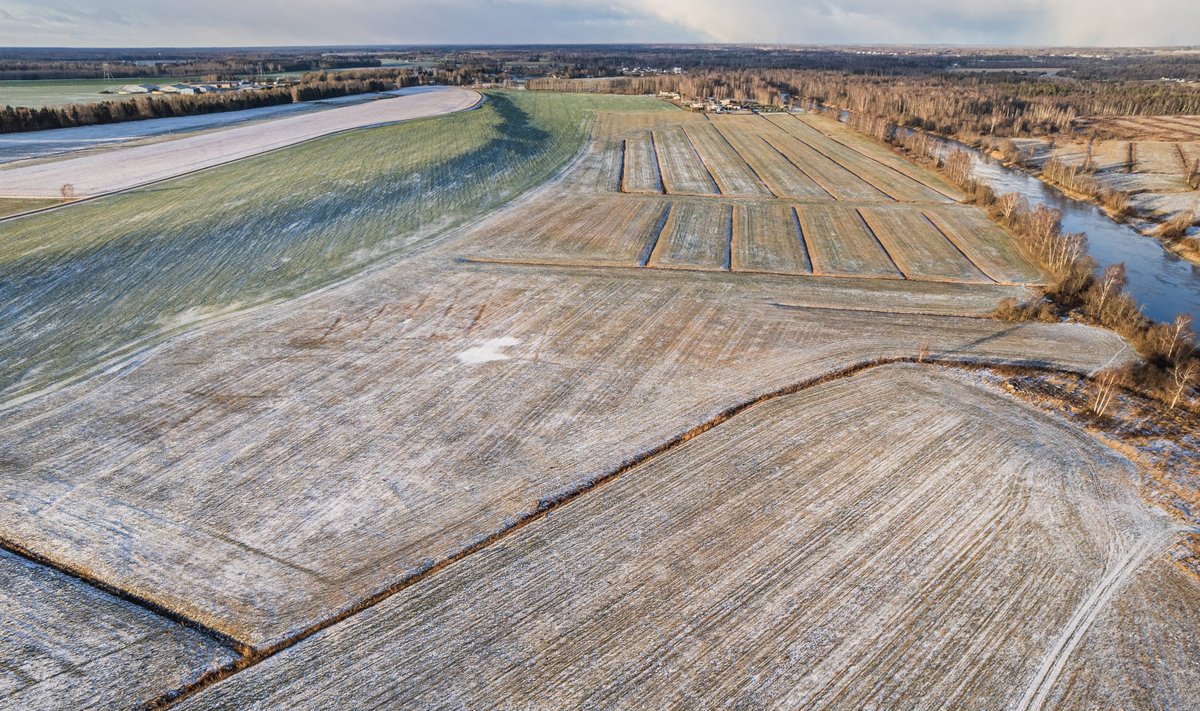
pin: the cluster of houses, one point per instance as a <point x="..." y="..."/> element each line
<point x="711" y="105"/>
<point x="190" y="88"/>
<point x="649" y="71"/>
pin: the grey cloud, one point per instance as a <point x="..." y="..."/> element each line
<point x="256" y="22"/>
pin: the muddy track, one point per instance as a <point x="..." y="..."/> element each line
<point x="1085" y="614"/>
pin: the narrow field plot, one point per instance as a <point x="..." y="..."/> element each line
<point x="1159" y="157"/>
<point x="875" y="542"/>
<point x="732" y="173"/>
<point x="1167" y="128"/>
<point x="641" y="174"/>
<point x="871" y="162"/>
<point x="601" y="230"/>
<point x="831" y="176"/>
<point x="264" y="473"/>
<point x="599" y="169"/>
<point x="988" y="246"/>
<point x="776" y="171"/>
<point x="617" y="124"/>
<point x="865" y="145"/>
<point x="683" y="172"/>
<point x="1142" y="651"/>
<point x="66" y="645"/>
<point x="917" y="246"/>
<point x="767" y="238"/>
<point x="1111" y="155"/>
<point x="1072" y="154"/>
<point x="839" y="243"/>
<point x="696" y="236"/>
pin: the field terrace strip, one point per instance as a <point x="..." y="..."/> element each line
<point x="917" y="246"/>
<point x="815" y="126"/>
<point x="683" y="172"/>
<point x="295" y="473"/>
<point x="912" y="246"/>
<point x="767" y="238"/>
<point x="780" y="175"/>
<point x="729" y="169"/>
<point x="696" y="235"/>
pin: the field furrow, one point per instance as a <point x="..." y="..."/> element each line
<point x="732" y="173"/>
<point x="696" y="236"/>
<point x="641" y="173"/>
<point x="779" y="174"/>
<point x="813" y="125"/>
<point x="839" y="243"/>
<point x="683" y="173"/>
<point x="767" y="238"/>
<point x="841" y="183"/>
<point x="988" y="246"/>
<point x="869" y="162"/>
<point x="67" y="645"/>
<point x="917" y="246"/>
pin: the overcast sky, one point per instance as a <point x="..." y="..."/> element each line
<point x="123" y="23"/>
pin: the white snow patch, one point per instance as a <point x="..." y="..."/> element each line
<point x="488" y="351"/>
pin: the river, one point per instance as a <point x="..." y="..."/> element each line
<point x="1163" y="284"/>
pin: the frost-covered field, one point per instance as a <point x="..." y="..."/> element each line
<point x="79" y="283"/>
<point x="881" y="541"/>
<point x="40" y="144"/>
<point x="110" y="171"/>
<point x="580" y="447"/>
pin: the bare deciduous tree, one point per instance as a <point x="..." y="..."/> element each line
<point x="1183" y="375"/>
<point x="1104" y="387"/>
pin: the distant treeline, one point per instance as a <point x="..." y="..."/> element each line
<point x="207" y="67"/>
<point x="311" y="87"/>
<point x="966" y="106"/>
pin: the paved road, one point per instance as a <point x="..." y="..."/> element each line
<point x="138" y="165"/>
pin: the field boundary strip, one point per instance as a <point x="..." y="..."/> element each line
<point x="124" y="595"/>
<point x="551" y="502"/>
<point x="953" y="243"/>
<point x="603" y="265"/>
<point x="871" y="231"/>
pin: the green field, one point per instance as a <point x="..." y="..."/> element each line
<point x="101" y="277"/>
<point x="57" y="92"/>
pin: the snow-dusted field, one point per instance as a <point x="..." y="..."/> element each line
<point x="40" y="144"/>
<point x="520" y="466"/>
<point x="110" y="171"/>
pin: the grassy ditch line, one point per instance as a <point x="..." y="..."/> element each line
<point x="548" y="504"/>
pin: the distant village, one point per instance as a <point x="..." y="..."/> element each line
<point x="713" y="105"/>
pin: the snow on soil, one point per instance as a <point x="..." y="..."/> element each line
<point x="98" y="173"/>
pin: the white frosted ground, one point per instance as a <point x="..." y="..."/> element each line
<point x="138" y="165"/>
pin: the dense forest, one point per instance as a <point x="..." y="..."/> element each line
<point x="963" y="105"/>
